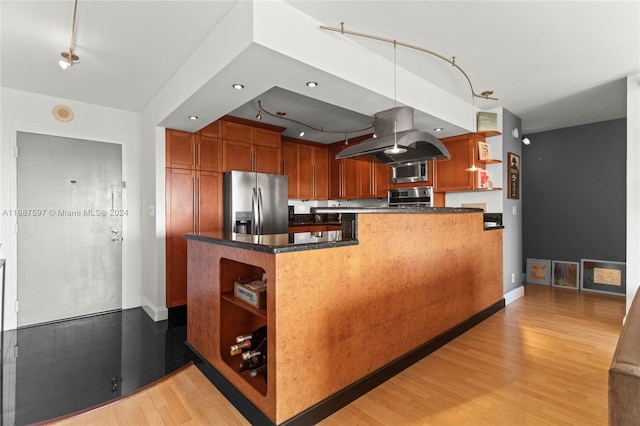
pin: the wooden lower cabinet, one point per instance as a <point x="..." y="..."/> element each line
<point x="193" y="201"/>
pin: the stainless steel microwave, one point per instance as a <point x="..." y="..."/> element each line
<point x="410" y="172"/>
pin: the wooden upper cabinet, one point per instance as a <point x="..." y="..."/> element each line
<point x="208" y="153"/>
<point x="312" y="172"/>
<point x="266" y="159"/>
<point x="250" y="148"/>
<point x="451" y="175"/>
<point x="237" y="132"/>
<point x="321" y="171"/>
<point x="345" y="176"/>
<point x="237" y="155"/>
<point x="289" y="167"/>
<point x="192" y="151"/>
<point x="359" y="177"/>
<point x="180" y="149"/>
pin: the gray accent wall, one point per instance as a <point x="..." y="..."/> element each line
<point x="574" y="193"/>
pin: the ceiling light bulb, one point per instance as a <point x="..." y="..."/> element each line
<point x="238" y="86"/>
<point x="312" y="84"/>
<point x="438" y="129"/>
<point x="526" y="141"/>
<point x="193" y="117"/>
<point x="64" y="64"/>
<point x="301" y="133"/>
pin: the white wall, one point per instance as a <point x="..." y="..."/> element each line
<point x="497" y="202"/>
<point x="28" y="112"/>
<point x="633" y="185"/>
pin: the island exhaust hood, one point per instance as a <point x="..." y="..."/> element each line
<point x="395" y="127"/>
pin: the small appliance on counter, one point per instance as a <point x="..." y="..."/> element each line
<point x="417" y="196"/>
<point x="255" y="203"/>
<point x="492" y="220"/>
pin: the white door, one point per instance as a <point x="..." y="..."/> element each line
<point x="69" y="219"/>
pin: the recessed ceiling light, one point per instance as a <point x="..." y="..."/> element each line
<point x="438" y="129"/>
<point x="193" y="117"/>
<point x="238" y="86"/>
<point x="312" y="84"/>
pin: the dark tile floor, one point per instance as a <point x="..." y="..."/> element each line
<point x="67" y="366"/>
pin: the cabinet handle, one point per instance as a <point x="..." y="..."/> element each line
<point x="313" y="180"/>
<point x="199" y="156"/>
<point x="253" y="161"/>
<point x="199" y="203"/>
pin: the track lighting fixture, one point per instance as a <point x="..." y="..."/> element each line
<point x="69" y="57"/>
<point x="485" y="94"/>
<point x="282" y="115"/>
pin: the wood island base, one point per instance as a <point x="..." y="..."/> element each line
<point x="341" y="318"/>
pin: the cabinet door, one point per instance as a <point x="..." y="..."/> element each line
<point x="180" y="149"/>
<point x="180" y="219"/>
<point x="237" y="156"/>
<point x="266" y="159"/>
<point x="289" y="167"/>
<point x="365" y="177"/>
<point x="237" y="132"/>
<point x="321" y="173"/>
<point x="208" y="191"/>
<point x="381" y="178"/>
<point x="265" y="137"/>
<point x="450" y="175"/>
<point x="335" y="174"/>
<point x="305" y="172"/>
<point x="350" y="181"/>
<point x="209" y="153"/>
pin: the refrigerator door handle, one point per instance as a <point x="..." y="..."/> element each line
<point x="254" y="212"/>
<point x="260" y="212"/>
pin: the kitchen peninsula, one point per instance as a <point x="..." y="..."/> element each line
<point x="345" y="310"/>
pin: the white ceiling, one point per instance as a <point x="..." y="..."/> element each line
<point x="554" y="64"/>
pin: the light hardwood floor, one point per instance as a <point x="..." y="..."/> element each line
<point x="543" y="360"/>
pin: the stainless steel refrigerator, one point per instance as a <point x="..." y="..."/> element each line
<point x="255" y="203"/>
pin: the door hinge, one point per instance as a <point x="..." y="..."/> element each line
<point x="17" y="305"/>
<point x="15" y="151"/>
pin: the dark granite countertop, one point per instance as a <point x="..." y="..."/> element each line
<point x="292" y="224"/>
<point x="277" y="243"/>
<point x="408" y="209"/>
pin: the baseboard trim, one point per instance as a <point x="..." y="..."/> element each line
<point x="335" y="402"/>
<point x="154" y="312"/>
<point x="514" y="295"/>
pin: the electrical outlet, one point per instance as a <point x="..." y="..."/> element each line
<point x="513" y="277"/>
<point x="152" y="210"/>
<point x="514" y="210"/>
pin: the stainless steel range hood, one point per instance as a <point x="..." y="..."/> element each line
<point x="395" y="125"/>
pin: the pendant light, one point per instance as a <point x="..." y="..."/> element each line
<point x="69" y="57"/>
<point x="473" y="167"/>
<point x="396" y="149"/>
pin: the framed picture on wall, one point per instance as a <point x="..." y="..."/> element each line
<point x="603" y="276"/>
<point x="538" y="271"/>
<point x="513" y="172"/>
<point x="565" y="274"/>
